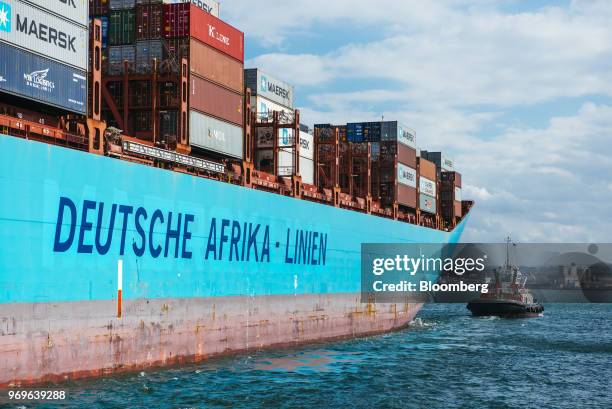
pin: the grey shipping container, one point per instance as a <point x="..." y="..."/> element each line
<point x="73" y="10"/>
<point x="427" y="203"/>
<point x="117" y="55"/>
<point x="43" y="33"/>
<point x="269" y="87"/>
<point x="215" y="135"/>
<point x="146" y="52"/>
<point x="42" y="80"/>
<point x="121" y="4"/>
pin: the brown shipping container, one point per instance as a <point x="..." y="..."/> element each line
<point x="406" y="195"/>
<point x="215" y="100"/>
<point x="149" y="21"/>
<point x="451" y="177"/>
<point x="457" y="209"/>
<point x="176" y="20"/>
<point x="406" y="155"/>
<point x="427" y="169"/>
<point x="215" y="66"/>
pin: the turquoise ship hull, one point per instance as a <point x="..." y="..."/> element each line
<point x="206" y="267"/>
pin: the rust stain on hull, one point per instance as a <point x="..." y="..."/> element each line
<point x="81" y="340"/>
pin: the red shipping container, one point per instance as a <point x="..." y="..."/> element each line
<point x="215" y="66"/>
<point x="149" y="21"/>
<point x="176" y="20"/>
<point x="212" y="99"/>
<point x="216" y="33"/>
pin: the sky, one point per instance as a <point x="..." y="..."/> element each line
<point x="519" y="93"/>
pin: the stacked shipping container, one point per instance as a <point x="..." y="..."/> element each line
<point x="428" y="186"/>
<point x="450" y="197"/>
<point x="34" y="67"/>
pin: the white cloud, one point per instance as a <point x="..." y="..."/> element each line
<point x="449" y="69"/>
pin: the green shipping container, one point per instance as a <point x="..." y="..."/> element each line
<point x="122" y="27"/>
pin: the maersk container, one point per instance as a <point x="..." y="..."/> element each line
<point x="43" y="33"/>
<point x="209" y="6"/>
<point x="121" y="4"/>
<point x="73" y="10"/>
<point x="443" y="162"/>
<point x="215" y="135"/>
<point x="265" y="108"/>
<point x="215" y="66"/>
<point x="427" y="203"/>
<point x="216" y="33"/>
<point x="122" y="27"/>
<point x="214" y="100"/>
<point x="43" y="80"/>
<point x="265" y="85"/>
<point x="395" y="131"/>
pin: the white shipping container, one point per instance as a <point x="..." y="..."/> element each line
<point x="307" y="170"/>
<point x="73" y="10"/>
<point x="215" y="135"/>
<point x="427" y="186"/>
<point x="209" y="6"/>
<point x="42" y="33"/>
<point x="264" y="85"/>
<point x="447" y="164"/>
<point x="306" y="145"/>
<point x="264" y="107"/>
<point x="406" y="175"/>
<point x="457" y="194"/>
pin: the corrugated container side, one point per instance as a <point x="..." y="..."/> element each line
<point x="307" y="170"/>
<point x="209" y="6"/>
<point x="427" y="169"/>
<point x="265" y="108"/>
<point x="31" y="28"/>
<point x="73" y="10"/>
<point x="216" y="33"/>
<point x="118" y="54"/>
<point x="427" y="203"/>
<point x="215" y="135"/>
<point x="146" y="52"/>
<point x="121" y="4"/>
<point x="98" y="7"/>
<point x="269" y="87"/>
<point x="42" y="80"/>
<point x="176" y="20"/>
<point x="215" y="100"/>
<point x="215" y="66"/>
<point x="122" y="27"/>
<point x="149" y="21"/>
<point x="406" y="185"/>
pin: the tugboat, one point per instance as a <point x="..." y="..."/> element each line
<point x="507" y="300"/>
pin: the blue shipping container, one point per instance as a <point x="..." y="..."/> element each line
<point x="43" y="80"/>
<point x="104" y="31"/>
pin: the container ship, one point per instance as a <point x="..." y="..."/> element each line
<point x="162" y="205"/>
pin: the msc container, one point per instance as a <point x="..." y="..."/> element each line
<point x="427" y="203"/>
<point x="212" y="134"/>
<point x="209" y="6"/>
<point x="122" y="27"/>
<point x="265" y="108"/>
<point x="212" y="99"/>
<point x="146" y="52"/>
<point x="43" y="80"/>
<point x="98" y="8"/>
<point x="149" y="21"/>
<point x="215" y="66"/>
<point x="216" y="33"/>
<point x="121" y="4"/>
<point x="266" y="86"/>
<point x="36" y="30"/>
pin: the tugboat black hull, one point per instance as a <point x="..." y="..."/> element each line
<point x="504" y="309"/>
